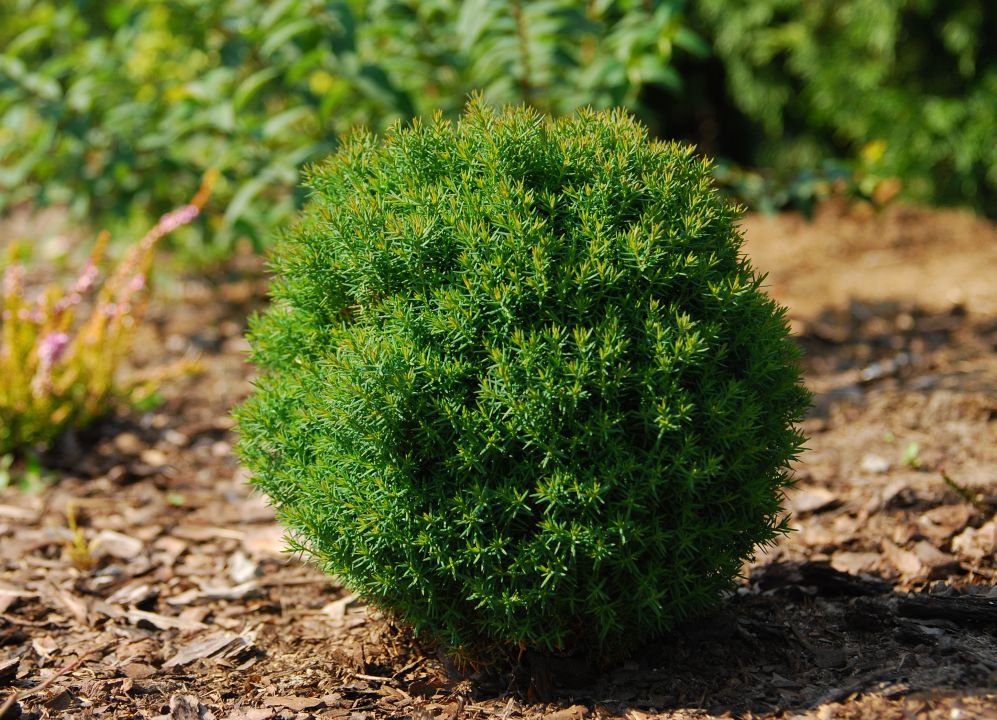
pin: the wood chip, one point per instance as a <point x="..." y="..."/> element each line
<point x="813" y="500"/>
<point x="963" y="610"/>
<point x="163" y="622"/>
<point x="138" y="671"/>
<point x="240" y="568"/>
<point x="977" y="544"/>
<point x="906" y="562"/>
<point x="45" y="647"/>
<point x="186" y="707"/>
<point x="8" y="598"/>
<point x="109" y="611"/>
<point x="154" y="457"/>
<point x="575" y="712"/>
<point x="11" y="512"/>
<point x="779" y="681"/>
<point x="827" y="580"/>
<point x="214" y="424"/>
<point x="942" y="522"/>
<point x="337" y="608"/>
<point x="134" y="593"/>
<point x="855" y="562"/>
<point x="75" y="606"/>
<point x="205" y="533"/>
<point x="209" y="593"/>
<point x="936" y="563"/>
<point x="170" y="547"/>
<point x="255" y="509"/>
<point x="875" y="464"/>
<point x="118" y="545"/>
<point x="221" y="645"/>
<point x="128" y="443"/>
<point x="266" y="540"/>
<point x="8" y="670"/>
<point x="293" y="702"/>
<point x="834" y="657"/>
<point x="59" y="701"/>
<point x="251" y="714"/>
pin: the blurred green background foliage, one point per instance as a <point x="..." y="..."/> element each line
<point x="903" y="88"/>
<point x="117" y="107"/>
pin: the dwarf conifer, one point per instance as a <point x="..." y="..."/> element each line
<point x="518" y="385"/>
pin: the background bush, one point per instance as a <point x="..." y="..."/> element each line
<point x="518" y="384"/>
<point x="118" y="107"/>
<point x="904" y="88"/>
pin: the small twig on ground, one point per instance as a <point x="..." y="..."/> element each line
<point x="17" y="696"/>
<point x="278" y="582"/>
<point x="371" y="678"/>
<point x="24" y="623"/>
<point x="411" y="666"/>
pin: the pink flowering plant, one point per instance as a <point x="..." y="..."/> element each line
<point x="60" y="350"/>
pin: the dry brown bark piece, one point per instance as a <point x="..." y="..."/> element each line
<point x="221" y="645"/>
<point x="937" y="564"/>
<point x="574" y="712"/>
<point x="251" y="714"/>
<point x="163" y="622"/>
<point x="826" y="579"/>
<point x="8" y="670"/>
<point x="813" y="500"/>
<point x="968" y="610"/>
<point x="293" y="702"/>
<point x="905" y="562"/>
<point x="186" y="707"/>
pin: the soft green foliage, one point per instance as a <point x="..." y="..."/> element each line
<point x="60" y="350"/>
<point x="556" y="55"/>
<point x="518" y="385"/>
<point x="909" y="87"/>
<point x="118" y="106"/>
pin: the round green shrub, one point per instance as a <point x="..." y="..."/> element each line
<point x="519" y="388"/>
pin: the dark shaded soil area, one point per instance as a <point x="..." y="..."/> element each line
<point x="173" y="597"/>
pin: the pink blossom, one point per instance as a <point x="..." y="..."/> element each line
<point x="86" y="280"/>
<point x="181" y="216"/>
<point x="115" y="310"/>
<point x="71" y="300"/>
<point x="24" y="315"/>
<point x="13" y="280"/>
<point x="50" y="349"/>
<point x="137" y="284"/>
<point x="170" y="222"/>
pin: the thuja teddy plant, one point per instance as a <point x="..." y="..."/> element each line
<point x="519" y="387"/>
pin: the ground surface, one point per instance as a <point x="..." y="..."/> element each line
<point x="179" y="602"/>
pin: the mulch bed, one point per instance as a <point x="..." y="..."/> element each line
<point x="173" y="596"/>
